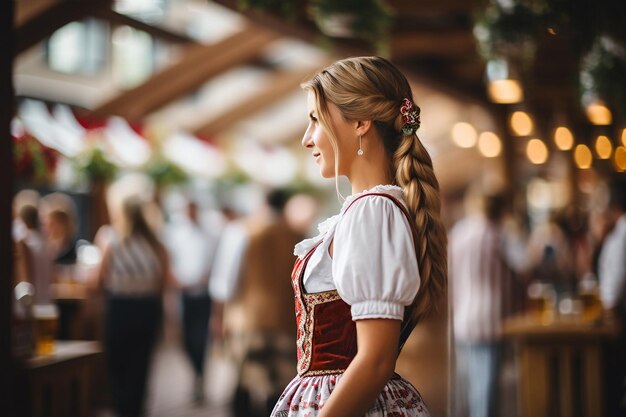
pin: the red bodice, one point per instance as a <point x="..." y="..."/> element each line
<point x="326" y="338"/>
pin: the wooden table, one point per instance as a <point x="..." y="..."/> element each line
<point x="60" y="384"/>
<point x="560" y="365"/>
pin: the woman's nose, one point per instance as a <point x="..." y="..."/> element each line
<point x="307" y="141"/>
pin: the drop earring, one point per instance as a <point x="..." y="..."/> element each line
<point x="360" y="151"/>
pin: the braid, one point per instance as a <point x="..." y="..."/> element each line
<point x="414" y="173"/>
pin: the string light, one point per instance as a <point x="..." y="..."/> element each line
<point x="604" y="148"/>
<point x="503" y="85"/>
<point x="464" y="135"/>
<point x="521" y="123"/>
<point x="583" y="156"/>
<point x="624" y="137"/>
<point x="563" y="138"/>
<point x="598" y="113"/>
<point x="619" y="159"/>
<point x="489" y="144"/>
<point x="505" y="91"/>
<point x="537" y="151"/>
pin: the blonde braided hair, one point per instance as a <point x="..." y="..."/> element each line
<point x="371" y="88"/>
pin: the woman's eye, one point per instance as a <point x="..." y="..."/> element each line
<point x="313" y="118"/>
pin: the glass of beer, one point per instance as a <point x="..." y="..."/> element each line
<point x="542" y="301"/>
<point x="46" y="323"/>
<point x="590" y="296"/>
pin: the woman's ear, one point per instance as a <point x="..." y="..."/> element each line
<point x="362" y="127"/>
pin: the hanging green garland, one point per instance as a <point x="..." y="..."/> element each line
<point x="603" y="73"/>
<point x="508" y="29"/>
<point x="368" y="20"/>
<point x="288" y="9"/>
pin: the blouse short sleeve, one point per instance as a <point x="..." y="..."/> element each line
<point x="374" y="263"/>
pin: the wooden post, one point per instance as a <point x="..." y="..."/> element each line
<point x="6" y="196"/>
<point x="509" y="159"/>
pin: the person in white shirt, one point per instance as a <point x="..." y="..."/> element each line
<point x="191" y="248"/>
<point x="251" y="277"/>
<point x="229" y="254"/>
<point x="612" y="278"/>
<point x="35" y="257"/>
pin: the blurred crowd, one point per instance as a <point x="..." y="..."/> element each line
<point x="567" y="265"/>
<point x="219" y="274"/>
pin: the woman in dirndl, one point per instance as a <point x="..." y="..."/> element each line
<point x="379" y="266"/>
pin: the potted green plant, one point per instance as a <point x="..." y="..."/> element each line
<point x="96" y="166"/>
<point x="33" y="161"/>
<point x="165" y="172"/>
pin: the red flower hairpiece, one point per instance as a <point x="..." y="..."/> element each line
<point x="411" y="117"/>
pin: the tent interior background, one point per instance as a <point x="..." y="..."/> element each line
<point x="215" y="90"/>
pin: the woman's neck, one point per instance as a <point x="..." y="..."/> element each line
<point x="369" y="171"/>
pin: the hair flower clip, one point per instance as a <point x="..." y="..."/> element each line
<point x="411" y="117"/>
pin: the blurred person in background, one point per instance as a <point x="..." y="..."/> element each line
<point x="484" y="256"/>
<point x="612" y="277"/>
<point x="599" y="228"/>
<point x="133" y="274"/>
<point x="258" y="313"/>
<point x="60" y="224"/>
<point x="191" y="249"/>
<point x="21" y="199"/>
<point x="574" y="223"/>
<point x="60" y="227"/>
<point x="550" y="255"/>
<point x="227" y="263"/>
<point x="34" y="258"/>
<point x="60" y="234"/>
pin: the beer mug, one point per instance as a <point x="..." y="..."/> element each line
<point x="46" y="318"/>
<point x="542" y="301"/>
<point x="590" y="296"/>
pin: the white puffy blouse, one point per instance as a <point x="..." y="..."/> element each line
<point x="374" y="267"/>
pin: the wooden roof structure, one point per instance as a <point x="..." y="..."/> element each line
<point x="431" y="40"/>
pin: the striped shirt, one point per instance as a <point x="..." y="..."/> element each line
<point x="612" y="267"/>
<point x="134" y="268"/>
<point x="481" y="257"/>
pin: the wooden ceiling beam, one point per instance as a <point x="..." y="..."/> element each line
<point x="57" y="15"/>
<point x="115" y="18"/>
<point x="279" y="85"/>
<point x="430" y="7"/>
<point x="433" y="43"/>
<point x="25" y="10"/>
<point x="299" y="28"/>
<point x="198" y="64"/>
<point x="308" y="32"/>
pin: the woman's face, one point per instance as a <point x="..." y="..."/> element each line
<point x="317" y="141"/>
